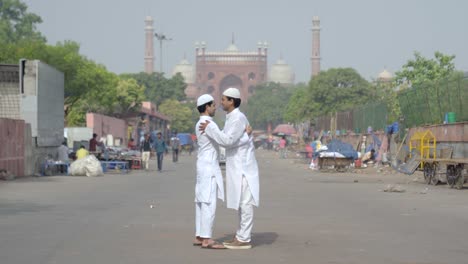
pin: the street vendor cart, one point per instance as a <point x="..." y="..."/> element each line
<point x="446" y="170"/>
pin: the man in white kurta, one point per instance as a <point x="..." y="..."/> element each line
<point x="242" y="179"/>
<point x="209" y="182"/>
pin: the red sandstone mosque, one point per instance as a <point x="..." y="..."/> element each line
<point x="215" y="71"/>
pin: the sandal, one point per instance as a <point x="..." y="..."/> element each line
<point x="214" y="245"/>
<point x="198" y="241"/>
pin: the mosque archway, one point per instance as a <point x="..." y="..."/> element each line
<point x="230" y="81"/>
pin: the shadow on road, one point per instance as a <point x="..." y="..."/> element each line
<point x="258" y="239"/>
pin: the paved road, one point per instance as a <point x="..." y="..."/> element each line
<point x="305" y="217"/>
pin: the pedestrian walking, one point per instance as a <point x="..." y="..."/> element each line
<point x="145" y="148"/>
<point x="175" y="145"/>
<point x="160" y="147"/>
<point x="282" y="147"/>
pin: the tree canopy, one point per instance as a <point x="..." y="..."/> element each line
<point x="159" y="88"/>
<point x="334" y="90"/>
<point x="181" y="115"/>
<point x="421" y="70"/>
<point x="337" y="89"/>
<point x="298" y="109"/>
<point x="89" y="86"/>
<point x="268" y="104"/>
<point x="16" y="24"/>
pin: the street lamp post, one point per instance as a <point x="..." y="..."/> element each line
<point x="161" y="37"/>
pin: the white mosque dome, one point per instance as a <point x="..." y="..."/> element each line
<point x="232" y="48"/>
<point x="281" y="72"/>
<point x="186" y="69"/>
<point x="385" y="76"/>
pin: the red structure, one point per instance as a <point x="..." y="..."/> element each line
<point x="217" y="71"/>
<point x="12" y="152"/>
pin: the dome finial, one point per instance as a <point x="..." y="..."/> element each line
<point x="232" y="40"/>
<point x="385" y="75"/>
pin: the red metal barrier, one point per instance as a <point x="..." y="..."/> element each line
<point x="12" y="146"/>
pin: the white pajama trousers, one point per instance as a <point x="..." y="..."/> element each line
<point x="145" y="156"/>
<point x="205" y="214"/>
<point x="246" y="213"/>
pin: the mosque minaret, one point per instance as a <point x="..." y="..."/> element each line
<point x="149" y="48"/>
<point x="315" y="59"/>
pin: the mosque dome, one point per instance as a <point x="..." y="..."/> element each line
<point x="186" y="69"/>
<point x="385" y="76"/>
<point x="232" y="48"/>
<point x="281" y="72"/>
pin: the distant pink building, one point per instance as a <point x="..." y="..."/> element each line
<point x="104" y="126"/>
<point x="134" y="125"/>
<point x="147" y="121"/>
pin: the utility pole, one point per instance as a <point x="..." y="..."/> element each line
<point x="161" y="37"/>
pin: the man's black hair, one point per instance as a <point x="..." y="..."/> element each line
<point x="202" y="108"/>
<point x="237" y="101"/>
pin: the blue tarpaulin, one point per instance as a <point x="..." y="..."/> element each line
<point x="344" y="148"/>
<point x="185" y="138"/>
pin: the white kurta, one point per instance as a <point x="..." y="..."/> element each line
<point x="240" y="157"/>
<point x="207" y="166"/>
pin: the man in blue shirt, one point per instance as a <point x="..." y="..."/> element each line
<point x="160" y="147"/>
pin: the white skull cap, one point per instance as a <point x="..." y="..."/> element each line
<point x="232" y="92"/>
<point x="203" y="99"/>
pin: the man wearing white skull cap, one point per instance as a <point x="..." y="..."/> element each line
<point x="209" y="181"/>
<point x="242" y="179"/>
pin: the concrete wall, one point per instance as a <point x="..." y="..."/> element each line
<point x="51" y="116"/>
<point x="77" y="134"/>
<point x="42" y="103"/>
<point x="104" y="126"/>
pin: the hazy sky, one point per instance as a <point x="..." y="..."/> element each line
<point x="366" y="35"/>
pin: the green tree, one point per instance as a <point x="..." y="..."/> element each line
<point x="65" y="57"/>
<point x="16" y="24"/>
<point x="336" y="90"/>
<point x="158" y="88"/>
<point x="195" y="115"/>
<point x="386" y="93"/>
<point x="422" y="70"/>
<point x="181" y="116"/>
<point x="100" y="96"/>
<point x="428" y="79"/>
<point x="268" y="105"/>
<point x="12" y="52"/>
<point x="298" y="108"/>
<point x="128" y="97"/>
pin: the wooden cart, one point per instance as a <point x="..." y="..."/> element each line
<point x="444" y="170"/>
<point x="340" y="164"/>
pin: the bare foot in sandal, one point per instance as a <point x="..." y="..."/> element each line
<point x="198" y="241"/>
<point x="211" y="244"/>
